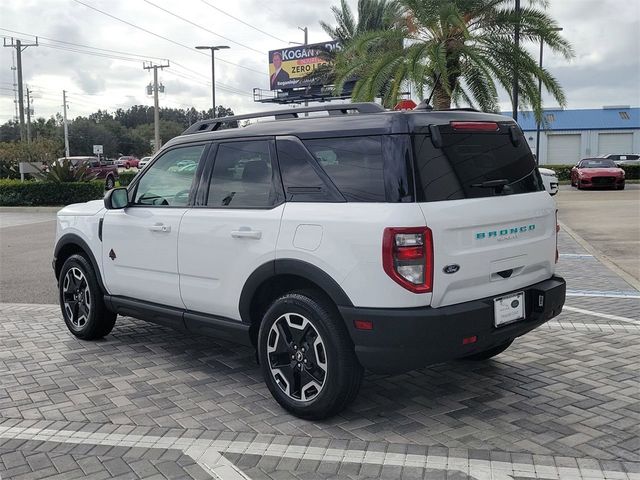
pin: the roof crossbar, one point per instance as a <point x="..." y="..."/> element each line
<point x="213" y="124"/>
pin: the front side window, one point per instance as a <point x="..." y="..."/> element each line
<point x="243" y="176"/>
<point x="168" y="181"/>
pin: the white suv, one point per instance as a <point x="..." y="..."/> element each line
<point x="359" y="239"/>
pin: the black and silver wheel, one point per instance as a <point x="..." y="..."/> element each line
<point x="109" y="183"/>
<point x="492" y="352"/>
<point x="81" y="300"/>
<point x="307" y="357"/>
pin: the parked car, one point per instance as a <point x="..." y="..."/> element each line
<point x="550" y="180"/>
<point x="100" y="169"/>
<point x="597" y="173"/>
<point x="143" y="162"/>
<point x="360" y="239"/>
<point x="627" y="159"/>
<point x="127" y="162"/>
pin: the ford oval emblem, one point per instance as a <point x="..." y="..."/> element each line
<point x="451" y="268"/>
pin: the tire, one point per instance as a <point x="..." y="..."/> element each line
<point x="81" y="300"/>
<point x="621" y="187"/>
<point x="306" y="356"/>
<point x="579" y="185"/>
<point x="492" y="352"/>
<point x="127" y="165"/>
<point x="109" y="182"/>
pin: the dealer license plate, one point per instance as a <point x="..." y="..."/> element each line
<point x="509" y="308"/>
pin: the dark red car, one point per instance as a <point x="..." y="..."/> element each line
<point x="101" y="169"/>
<point x="597" y="173"/>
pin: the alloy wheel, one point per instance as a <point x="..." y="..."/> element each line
<point x="297" y="357"/>
<point x="76" y="297"/>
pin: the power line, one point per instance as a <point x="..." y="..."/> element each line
<point x="116" y="57"/>
<point x="242" y="21"/>
<point x="203" y="28"/>
<point x="163" y="37"/>
<point x="83" y="46"/>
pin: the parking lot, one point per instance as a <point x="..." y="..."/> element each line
<point x="147" y="402"/>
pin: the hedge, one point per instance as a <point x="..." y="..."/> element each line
<point x="125" y="178"/>
<point x="14" y="193"/>
<point x="632" y="172"/>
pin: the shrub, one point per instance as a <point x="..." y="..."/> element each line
<point x="14" y="193"/>
<point x="632" y="172"/>
<point x="65" y="171"/>
<point x="125" y="178"/>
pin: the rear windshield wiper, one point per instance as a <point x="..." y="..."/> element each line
<point x="501" y="182"/>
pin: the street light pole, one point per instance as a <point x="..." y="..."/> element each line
<point x="213" y="49"/>
<point x="558" y="29"/>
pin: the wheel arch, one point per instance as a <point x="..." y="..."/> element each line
<point x="277" y="277"/>
<point x="71" y="244"/>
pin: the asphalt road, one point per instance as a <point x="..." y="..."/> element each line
<point x="608" y="220"/>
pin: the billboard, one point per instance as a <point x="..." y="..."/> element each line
<point x="289" y="67"/>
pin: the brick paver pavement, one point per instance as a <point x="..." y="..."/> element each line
<point x="149" y="402"/>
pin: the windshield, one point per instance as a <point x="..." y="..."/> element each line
<point x="597" y="163"/>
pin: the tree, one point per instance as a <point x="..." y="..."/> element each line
<point x="463" y="50"/>
<point x="41" y="150"/>
<point x="372" y="16"/>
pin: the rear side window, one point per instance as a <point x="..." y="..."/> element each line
<point x="354" y="165"/>
<point x="468" y="159"/>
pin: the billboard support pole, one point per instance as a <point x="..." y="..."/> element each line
<point x="306" y="42"/>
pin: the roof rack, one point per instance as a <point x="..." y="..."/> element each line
<point x="214" y="124"/>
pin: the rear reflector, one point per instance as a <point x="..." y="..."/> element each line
<point x="468" y="340"/>
<point x="474" y="126"/>
<point x="363" y="324"/>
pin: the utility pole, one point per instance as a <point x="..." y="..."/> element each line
<point x="64" y="120"/>
<point x="516" y="43"/>
<point x="19" y="46"/>
<point x="213" y="70"/>
<point x="28" y="116"/>
<point x="156" y="107"/>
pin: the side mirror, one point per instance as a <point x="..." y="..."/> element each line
<point x="116" y="198"/>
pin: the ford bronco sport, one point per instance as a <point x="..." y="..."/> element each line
<point x="361" y="239"/>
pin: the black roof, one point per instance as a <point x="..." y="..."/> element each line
<point x="345" y="125"/>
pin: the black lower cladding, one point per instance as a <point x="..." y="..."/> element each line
<point x="404" y="339"/>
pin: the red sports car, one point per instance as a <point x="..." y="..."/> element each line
<point x="596" y="173"/>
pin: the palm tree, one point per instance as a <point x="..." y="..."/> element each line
<point x="462" y="50"/>
<point x="372" y="16"/>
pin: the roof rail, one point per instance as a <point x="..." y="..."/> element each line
<point x="214" y="124"/>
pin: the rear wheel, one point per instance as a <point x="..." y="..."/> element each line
<point x="81" y="300"/>
<point x="306" y="355"/>
<point x="109" y="182"/>
<point x="492" y="352"/>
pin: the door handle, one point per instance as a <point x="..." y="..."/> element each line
<point x="246" y="233"/>
<point x="159" y="227"/>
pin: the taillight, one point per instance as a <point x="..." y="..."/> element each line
<point x="474" y="126"/>
<point x="407" y="257"/>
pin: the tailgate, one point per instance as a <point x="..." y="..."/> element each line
<point x="498" y="244"/>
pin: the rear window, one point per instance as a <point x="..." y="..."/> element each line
<point x="466" y="160"/>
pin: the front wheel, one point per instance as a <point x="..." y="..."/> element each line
<point x="81" y="300"/>
<point x="621" y="187"/>
<point x="306" y="356"/>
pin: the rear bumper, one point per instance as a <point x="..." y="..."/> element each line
<point x="407" y="339"/>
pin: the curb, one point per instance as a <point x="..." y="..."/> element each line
<point x="602" y="258"/>
<point x="30" y="209"/>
